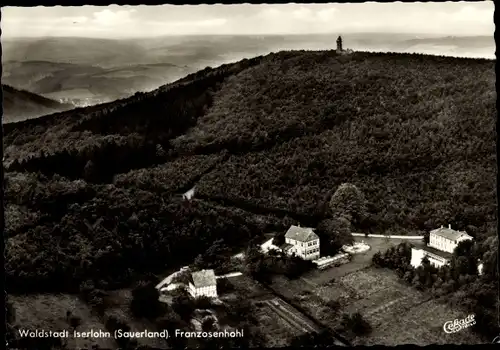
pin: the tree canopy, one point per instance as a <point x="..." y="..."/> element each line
<point x="348" y="202"/>
<point x="387" y="142"/>
<point x="333" y="234"/>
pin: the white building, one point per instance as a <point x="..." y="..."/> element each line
<point x="301" y="241"/>
<point x="442" y="243"/>
<point x="203" y="283"/>
<point x="189" y="194"/>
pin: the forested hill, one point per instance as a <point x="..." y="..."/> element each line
<point x="19" y="105"/>
<point x="91" y="190"/>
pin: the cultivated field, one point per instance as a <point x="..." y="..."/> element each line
<point x="281" y="322"/>
<point x="278" y="322"/>
<point x="275" y="330"/>
<point x="409" y="318"/>
<point x="398" y="313"/>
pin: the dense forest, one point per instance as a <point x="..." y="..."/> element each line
<point x="94" y="193"/>
<point x="415" y="134"/>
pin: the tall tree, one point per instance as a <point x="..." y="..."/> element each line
<point x="145" y="302"/>
<point x="334" y="233"/>
<point x="349" y="202"/>
<point x="279" y="239"/>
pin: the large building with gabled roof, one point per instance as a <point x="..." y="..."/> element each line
<point x="442" y="243"/>
<point x="203" y="283"/>
<point x="301" y="241"/>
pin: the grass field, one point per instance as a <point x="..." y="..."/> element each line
<point x="48" y="312"/>
<point x="420" y="324"/>
<point x="121" y="309"/>
<point x="365" y="282"/>
<point x="248" y="288"/>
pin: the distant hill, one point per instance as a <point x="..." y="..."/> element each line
<point x="267" y="141"/>
<point x="87" y="71"/>
<point x="474" y="46"/>
<point x="77" y="51"/>
<point x="19" y="105"/>
<point x="83" y="84"/>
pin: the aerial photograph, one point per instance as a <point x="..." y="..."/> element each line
<point x="250" y="176"/>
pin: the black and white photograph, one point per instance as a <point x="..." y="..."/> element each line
<point x="250" y="175"/>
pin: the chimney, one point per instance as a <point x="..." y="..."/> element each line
<point x="449" y="226"/>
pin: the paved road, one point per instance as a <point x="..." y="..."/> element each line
<point x="388" y="236"/>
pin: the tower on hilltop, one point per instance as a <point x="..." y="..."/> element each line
<point x="339" y="44"/>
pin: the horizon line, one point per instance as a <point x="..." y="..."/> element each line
<point x="434" y="35"/>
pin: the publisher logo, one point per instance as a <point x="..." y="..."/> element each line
<point x="457" y="324"/>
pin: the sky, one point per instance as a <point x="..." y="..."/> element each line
<point x="443" y="18"/>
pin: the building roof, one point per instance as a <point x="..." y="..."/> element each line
<point x="189" y="194"/>
<point x="438" y="252"/>
<point x="302" y="234"/>
<point x="285" y="247"/>
<point x="203" y="278"/>
<point x="449" y="233"/>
